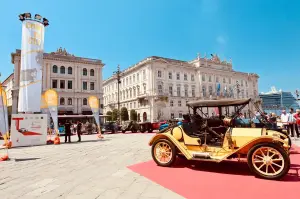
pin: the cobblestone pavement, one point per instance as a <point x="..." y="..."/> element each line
<point x="90" y="169"/>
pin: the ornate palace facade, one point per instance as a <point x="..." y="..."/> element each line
<point x="74" y="78"/>
<point x="158" y="88"/>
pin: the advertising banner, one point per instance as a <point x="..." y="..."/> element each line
<point x="31" y="66"/>
<point x="94" y="104"/>
<point x="45" y="109"/>
<point x="28" y="129"/>
<point x="4" y="129"/>
<point x="51" y="99"/>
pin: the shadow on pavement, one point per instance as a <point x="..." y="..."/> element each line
<point x="83" y="141"/>
<point x="25" y="159"/>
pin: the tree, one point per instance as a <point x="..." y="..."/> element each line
<point x="124" y="114"/>
<point x="133" y="115"/>
<point x="109" y="115"/>
<point x="115" y="114"/>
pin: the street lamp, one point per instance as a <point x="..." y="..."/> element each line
<point x="118" y="75"/>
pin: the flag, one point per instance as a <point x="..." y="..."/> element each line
<point x="4" y="129"/>
<point x="94" y="104"/>
<point x="51" y="99"/>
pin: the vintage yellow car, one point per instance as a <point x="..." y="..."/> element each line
<point x="222" y="137"/>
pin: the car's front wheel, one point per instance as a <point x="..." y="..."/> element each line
<point x="163" y="152"/>
<point x="268" y="161"/>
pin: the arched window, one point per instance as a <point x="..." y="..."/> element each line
<point x="92" y="72"/>
<point x="70" y="71"/>
<point x="62" y="101"/>
<point x="84" y="101"/>
<point x="69" y="101"/>
<point x="62" y="70"/>
<point x="84" y="72"/>
<point x="54" y="69"/>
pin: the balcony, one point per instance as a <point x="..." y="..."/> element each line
<point x="111" y="103"/>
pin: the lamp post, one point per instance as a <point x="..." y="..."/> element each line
<point x="118" y="75"/>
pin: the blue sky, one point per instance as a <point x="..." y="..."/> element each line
<point x="260" y="36"/>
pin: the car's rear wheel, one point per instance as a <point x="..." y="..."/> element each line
<point x="163" y="152"/>
<point x="268" y="161"/>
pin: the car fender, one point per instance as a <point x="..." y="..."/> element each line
<point x="173" y="140"/>
<point x="246" y="147"/>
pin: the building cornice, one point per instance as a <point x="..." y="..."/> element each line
<point x="11" y="76"/>
<point x="62" y="56"/>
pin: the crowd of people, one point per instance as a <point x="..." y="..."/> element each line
<point x="289" y="121"/>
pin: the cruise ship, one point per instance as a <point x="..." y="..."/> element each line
<point x="276" y="101"/>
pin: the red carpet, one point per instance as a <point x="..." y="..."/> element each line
<point x="231" y="179"/>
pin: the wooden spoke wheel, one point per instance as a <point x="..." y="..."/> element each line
<point x="163" y="152"/>
<point x="269" y="161"/>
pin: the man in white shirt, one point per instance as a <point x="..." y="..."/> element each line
<point x="284" y="119"/>
<point x="292" y="122"/>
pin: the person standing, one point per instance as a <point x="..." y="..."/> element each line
<point x="297" y="126"/>
<point x="284" y="119"/>
<point x="79" y="126"/>
<point x="291" y="122"/>
<point x="68" y="131"/>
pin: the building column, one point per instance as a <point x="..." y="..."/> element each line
<point x="15" y="94"/>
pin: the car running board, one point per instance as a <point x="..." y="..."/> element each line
<point x="201" y="155"/>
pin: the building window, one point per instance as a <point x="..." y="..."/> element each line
<point x="134" y="104"/>
<point x="133" y="78"/>
<point x="170" y="75"/>
<point x="54" y="83"/>
<point x="160" y="88"/>
<point x="70" y="70"/>
<point x="193" y="77"/>
<point x="137" y="77"/>
<point x="186" y="91"/>
<point x="209" y="78"/>
<point x="210" y="90"/>
<point x="203" y="77"/>
<point x="69" y="101"/>
<point x="69" y="84"/>
<point x="193" y="91"/>
<point x="185" y="77"/>
<point x="247" y="94"/>
<point x="92" y="86"/>
<point x="84" y="101"/>
<point x="180" y="115"/>
<point x="92" y="72"/>
<point x="217" y="79"/>
<point x="138" y="90"/>
<point x="204" y="91"/>
<point x="144" y="74"/>
<point x="62" y="101"/>
<point x="224" y="80"/>
<point x="62" y="84"/>
<point x="84" y="72"/>
<point x="186" y="103"/>
<point x="171" y="90"/>
<point x="243" y="95"/>
<point x="144" y="88"/>
<point x="54" y="69"/>
<point x="134" y="92"/>
<point x="130" y="94"/>
<point x="159" y="73"/>
<point x="127" y="94"/>
<point x="62" y="70"/>
<point x="179" y="103"/>
<point x="171" y="103"/>
<point x="172" y="115"/>
<point x="246" y="82"/>
<point x="84" y="85"/>
<point x="242" y="82"/>
<point x="126" y="81"/>
<point x="178" y="76"/>
<point x="178" y="91"/>
<point x="229" y="80"/>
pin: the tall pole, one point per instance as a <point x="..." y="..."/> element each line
<point x="118" y="72"/>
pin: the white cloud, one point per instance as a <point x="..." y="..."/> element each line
<point x="221" y="40"/>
